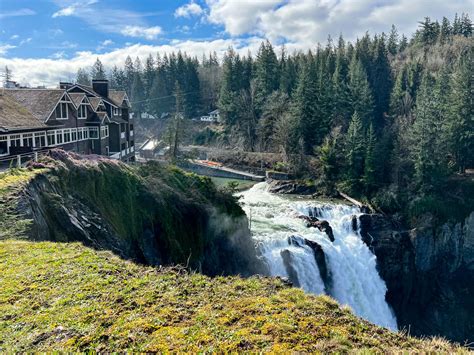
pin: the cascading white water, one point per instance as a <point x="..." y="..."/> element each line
<point x="354" y="278"/>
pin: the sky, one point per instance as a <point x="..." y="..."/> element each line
<point x="45" y="41"/>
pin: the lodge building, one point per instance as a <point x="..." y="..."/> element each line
<point x="79" y="118"/>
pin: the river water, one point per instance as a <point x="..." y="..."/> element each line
<point x="354" y="280"/>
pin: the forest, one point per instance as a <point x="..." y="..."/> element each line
<point x="388" y="119"/>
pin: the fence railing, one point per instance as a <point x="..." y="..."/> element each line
<point x="18" y="160"/>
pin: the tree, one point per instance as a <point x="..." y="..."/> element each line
<point x="370" y="164"/>
<point x="461" y="113"/>
<point x="129" y="72"/>
<point x="275" y="107"/>
<point x="8" y="76"/>
<point x="149" y="74"/>
<point x="266" y="74"/>
<point x="445" y="32"/>
<point x="355" y="151"/>
<point x="82" y="77"/>
<point x="361" y="95"/>
<point x="392" y="44"/>
<point x="176" y="125"/>
<point x="305" y="109"/>
<point x="98" y="71"/>
<point x="428" y="150"/>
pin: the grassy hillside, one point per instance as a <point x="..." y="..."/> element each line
<point x="64" y="296"/>
<point x="68" y="297"/>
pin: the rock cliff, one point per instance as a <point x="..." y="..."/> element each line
<point x="429" y="274"/>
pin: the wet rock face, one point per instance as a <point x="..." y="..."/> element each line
<point x="290" y="270"/>
<point x="323" y="226"/>
<point x="319" y="257"/>
<point x="429" y="274"/>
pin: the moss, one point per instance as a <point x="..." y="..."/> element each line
<point x="67" y="297"/>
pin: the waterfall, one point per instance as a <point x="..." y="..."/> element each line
<point x="284" y="241"/>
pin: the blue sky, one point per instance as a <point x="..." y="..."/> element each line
<point x="43" y="41"/>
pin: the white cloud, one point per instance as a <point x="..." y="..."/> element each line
<point x="49" y="71"/>
<point x="73" y="8"/>
<point x="59" y="55"/>
<point x="14" y="37"/>
<point x="25" y="41"/>
<point x="188" y="10"/>
<point x="239" y="16"/>
<point x="20" y="12"/>
<point x="306" y="22"/>
<point x="4" y="48"/>
<point x="107" y="42"/>
<point x="142" y="32"/>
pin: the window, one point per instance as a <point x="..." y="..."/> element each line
<point x="74" y="134"/>
<point x="27" y="139"/>
<point x="52" y="138"/>
<point x="62" y="111"/>
<point x="82" y="111"/>
<point x="94" y="132"/>
<point x="104" y="131"/>
<point x="40" y="139"/>
<point x="3" y="145"/>
<point x="116" y="111"/>
<point x="67" y="135"/>
<point x="59" y="136"/>
<point x="86" y="133"/>
<point x="132" y="143"/>
<point x="15" y="140"/>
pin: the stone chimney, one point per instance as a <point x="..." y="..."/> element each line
<point x="101" y="87"/>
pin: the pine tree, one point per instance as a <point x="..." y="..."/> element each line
<point x="466" y="26"/>
<point x="149" y="74"/>
<point x="355" y="151"/>
<point x="361" y="94"/>
<point x="7" y="76"/>
<point x="392" y="44"/>
<point x="175" y="133"/>
<point x="266" y="74"/>
<point x="275" y="107"/>
<point x="445" y="32"/>
<point x="305" y="108"/>
<point x="403" y="44"/>
<point x="137" y="90"/>
<point x="370" y="164"/>
<point x="461" y="117"/>
<point x="98" y="71"/>
<point x="129" y="72"/>
<point x="228" y="95"/>
<point x="82" y="77"/>
<point x="428" y="149"/>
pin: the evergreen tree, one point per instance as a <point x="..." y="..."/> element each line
<point x="466" y="26"/>
<point x="427" y="146"/>
<point x="361" y="94"/>
<point x="7" y="75"/>
<point x="82" y="77"/>
<point x="228" y="93"/>
<point x="275" y="107"/>
<point x="445" y="32"/>
<point x="98" y="71"/>
<point x="305" y="108"/>
<point x="461" y="113"/>
<point x="149" y="74"/>
<point x="392" y="44"/>
<point x="370" y="164"/>
<point x="175" y="133"/>
<point x="403" y="44"/>
<point x="129" y="72"/>
<point x="355" y="151"/>
<point x="266" y="74"/>
<point x="137" y="90"/>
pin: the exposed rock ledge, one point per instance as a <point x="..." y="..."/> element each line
<point x="429" y="274"/>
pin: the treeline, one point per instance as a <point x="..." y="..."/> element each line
<point x="383" y="115"/>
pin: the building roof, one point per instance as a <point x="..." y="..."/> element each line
<point x="95" y="101"/>
<point x="116" y="119"/>
<point x="77" y="97"/>
<point x="215" y="112"/>
<point x="117" y="96"/>
<point x="14" y="116"/>
<point x="40" y="102"/>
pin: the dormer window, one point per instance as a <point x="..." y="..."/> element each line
<point x="117" y="111"/>
<point x="62" y="111"/>
<point x="82" y="112"/>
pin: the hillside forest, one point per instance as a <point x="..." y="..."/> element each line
<point x="387" y="118"/>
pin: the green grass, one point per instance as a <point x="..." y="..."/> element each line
<point x="67" y="297"/>
<point x="242" y="184"/>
